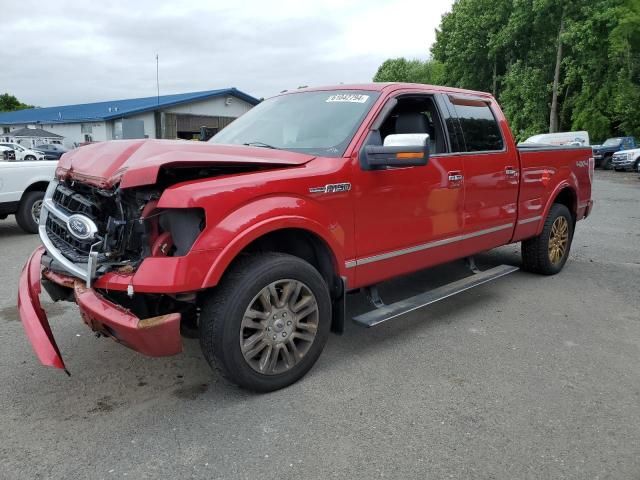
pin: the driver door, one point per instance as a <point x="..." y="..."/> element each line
<point x="408" y="218"/>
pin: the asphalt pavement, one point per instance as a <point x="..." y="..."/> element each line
<point x="526" y="377"/>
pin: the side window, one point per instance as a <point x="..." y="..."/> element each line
<point x="415" y="114"/>
<point x="480" y="128"/>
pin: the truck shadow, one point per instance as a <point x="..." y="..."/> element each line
<point x="107" y="378"/>
<point x="360" y="340"/>
<point x="8" y="228"/>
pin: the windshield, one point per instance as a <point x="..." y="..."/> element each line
<point x="610" y="142"/>
<point x="318" y="123"/>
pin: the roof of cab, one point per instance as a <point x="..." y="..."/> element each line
<point x="388" y="86"/>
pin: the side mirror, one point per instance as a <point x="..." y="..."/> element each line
<point x="401" y="150"/>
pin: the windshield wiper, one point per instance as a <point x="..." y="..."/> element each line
<point x="260" y="144"/>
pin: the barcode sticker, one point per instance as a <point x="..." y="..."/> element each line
<point x="348" y="97"/>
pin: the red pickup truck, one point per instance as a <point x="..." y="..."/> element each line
<point x="252" y="240"/>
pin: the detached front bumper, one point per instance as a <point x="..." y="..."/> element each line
<point x="33" y="316"/>
<point x="157" y="336"/>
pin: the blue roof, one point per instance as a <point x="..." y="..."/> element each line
<point x="113" y="109"/>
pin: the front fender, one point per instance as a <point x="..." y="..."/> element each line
<point x="249" y="222"/>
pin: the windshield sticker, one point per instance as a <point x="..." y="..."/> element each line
<point x="348" y="97"/>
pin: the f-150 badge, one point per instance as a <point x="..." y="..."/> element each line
<point x="331" y="188"/>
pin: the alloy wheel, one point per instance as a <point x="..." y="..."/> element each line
<point x="558" y="240"/>
<point x="279" y="326"/>
<point x="35" y="211"/>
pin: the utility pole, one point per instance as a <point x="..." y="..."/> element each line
<point x="553" y="115"/>
<point x="158" y="78"/>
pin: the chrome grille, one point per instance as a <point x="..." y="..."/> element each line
<point x="72" y="248"/>
<point x="74" y="255"/>
<point x="72" y="202"/>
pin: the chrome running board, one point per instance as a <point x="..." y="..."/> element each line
<point x="391" y="311"/>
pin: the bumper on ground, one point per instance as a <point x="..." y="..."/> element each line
<point x="156" y="336"/>
<point x="33" y="316"/>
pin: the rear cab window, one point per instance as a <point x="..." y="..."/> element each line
<point x="477" y="126"/>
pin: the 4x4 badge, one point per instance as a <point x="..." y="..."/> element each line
<point x="331" y="188"/>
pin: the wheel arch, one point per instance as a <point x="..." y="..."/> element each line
<point x="39" y="186"/>
<point x="568" y="197"/>
<point x="302" y="240"/>
<point x="564" y="194"/>
<point x="296" y="236"/>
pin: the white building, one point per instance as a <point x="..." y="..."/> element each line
<point x="168" y="116"/>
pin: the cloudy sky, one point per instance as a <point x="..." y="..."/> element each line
<point x="72" y="52"/>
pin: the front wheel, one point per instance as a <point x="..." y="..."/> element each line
<point x="606" y="163"/>
<point x="548" y="252"/>
<point x="30" y="158"/>
<point x="28" y="214"/>
<point x="267" y="322"/>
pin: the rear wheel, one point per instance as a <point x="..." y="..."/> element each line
<point x="548" y="252"/>
<point x="28" y="214"/>
<point x="267" y="322"/>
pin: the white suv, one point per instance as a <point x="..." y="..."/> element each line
<point x="23" y="153"/>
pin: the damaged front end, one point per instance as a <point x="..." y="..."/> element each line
<point x="94" y="241"/>
<point x="89" y="231"/>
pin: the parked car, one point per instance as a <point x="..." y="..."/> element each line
<point x="23" y="153"/>
<point x="253" y="239"/>
<point x="22" y="187"/>
<point x="579" y="138"/>
<point x="603" y="154"/>
<point x="626" y="160"/>
<point x="51" y="151"/>
<point x="8" y="154"/>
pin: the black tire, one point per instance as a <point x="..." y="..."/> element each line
<point x="606" y="163"/>
<point x="29" y="158"/>
<point x="24" y="216"/>
<point x="536" y="256"/>
<point x="224" y="308"/>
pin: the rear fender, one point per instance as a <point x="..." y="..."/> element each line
<point x="571" y="184"/>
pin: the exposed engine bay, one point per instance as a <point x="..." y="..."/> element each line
<point x="128" y="226"/>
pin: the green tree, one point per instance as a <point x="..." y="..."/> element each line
<point x="552" y="64"/>
<point x="470" y="46"/>
<point x="412" y="71"/>
<point x="9" y="103"/>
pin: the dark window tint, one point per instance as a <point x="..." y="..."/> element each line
<point x="479" y="127"/>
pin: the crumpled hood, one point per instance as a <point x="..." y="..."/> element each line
<point x="137" y="162"/>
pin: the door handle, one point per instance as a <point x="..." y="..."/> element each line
<point x="510" y="172"/>
<point x="455" y="177"/>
